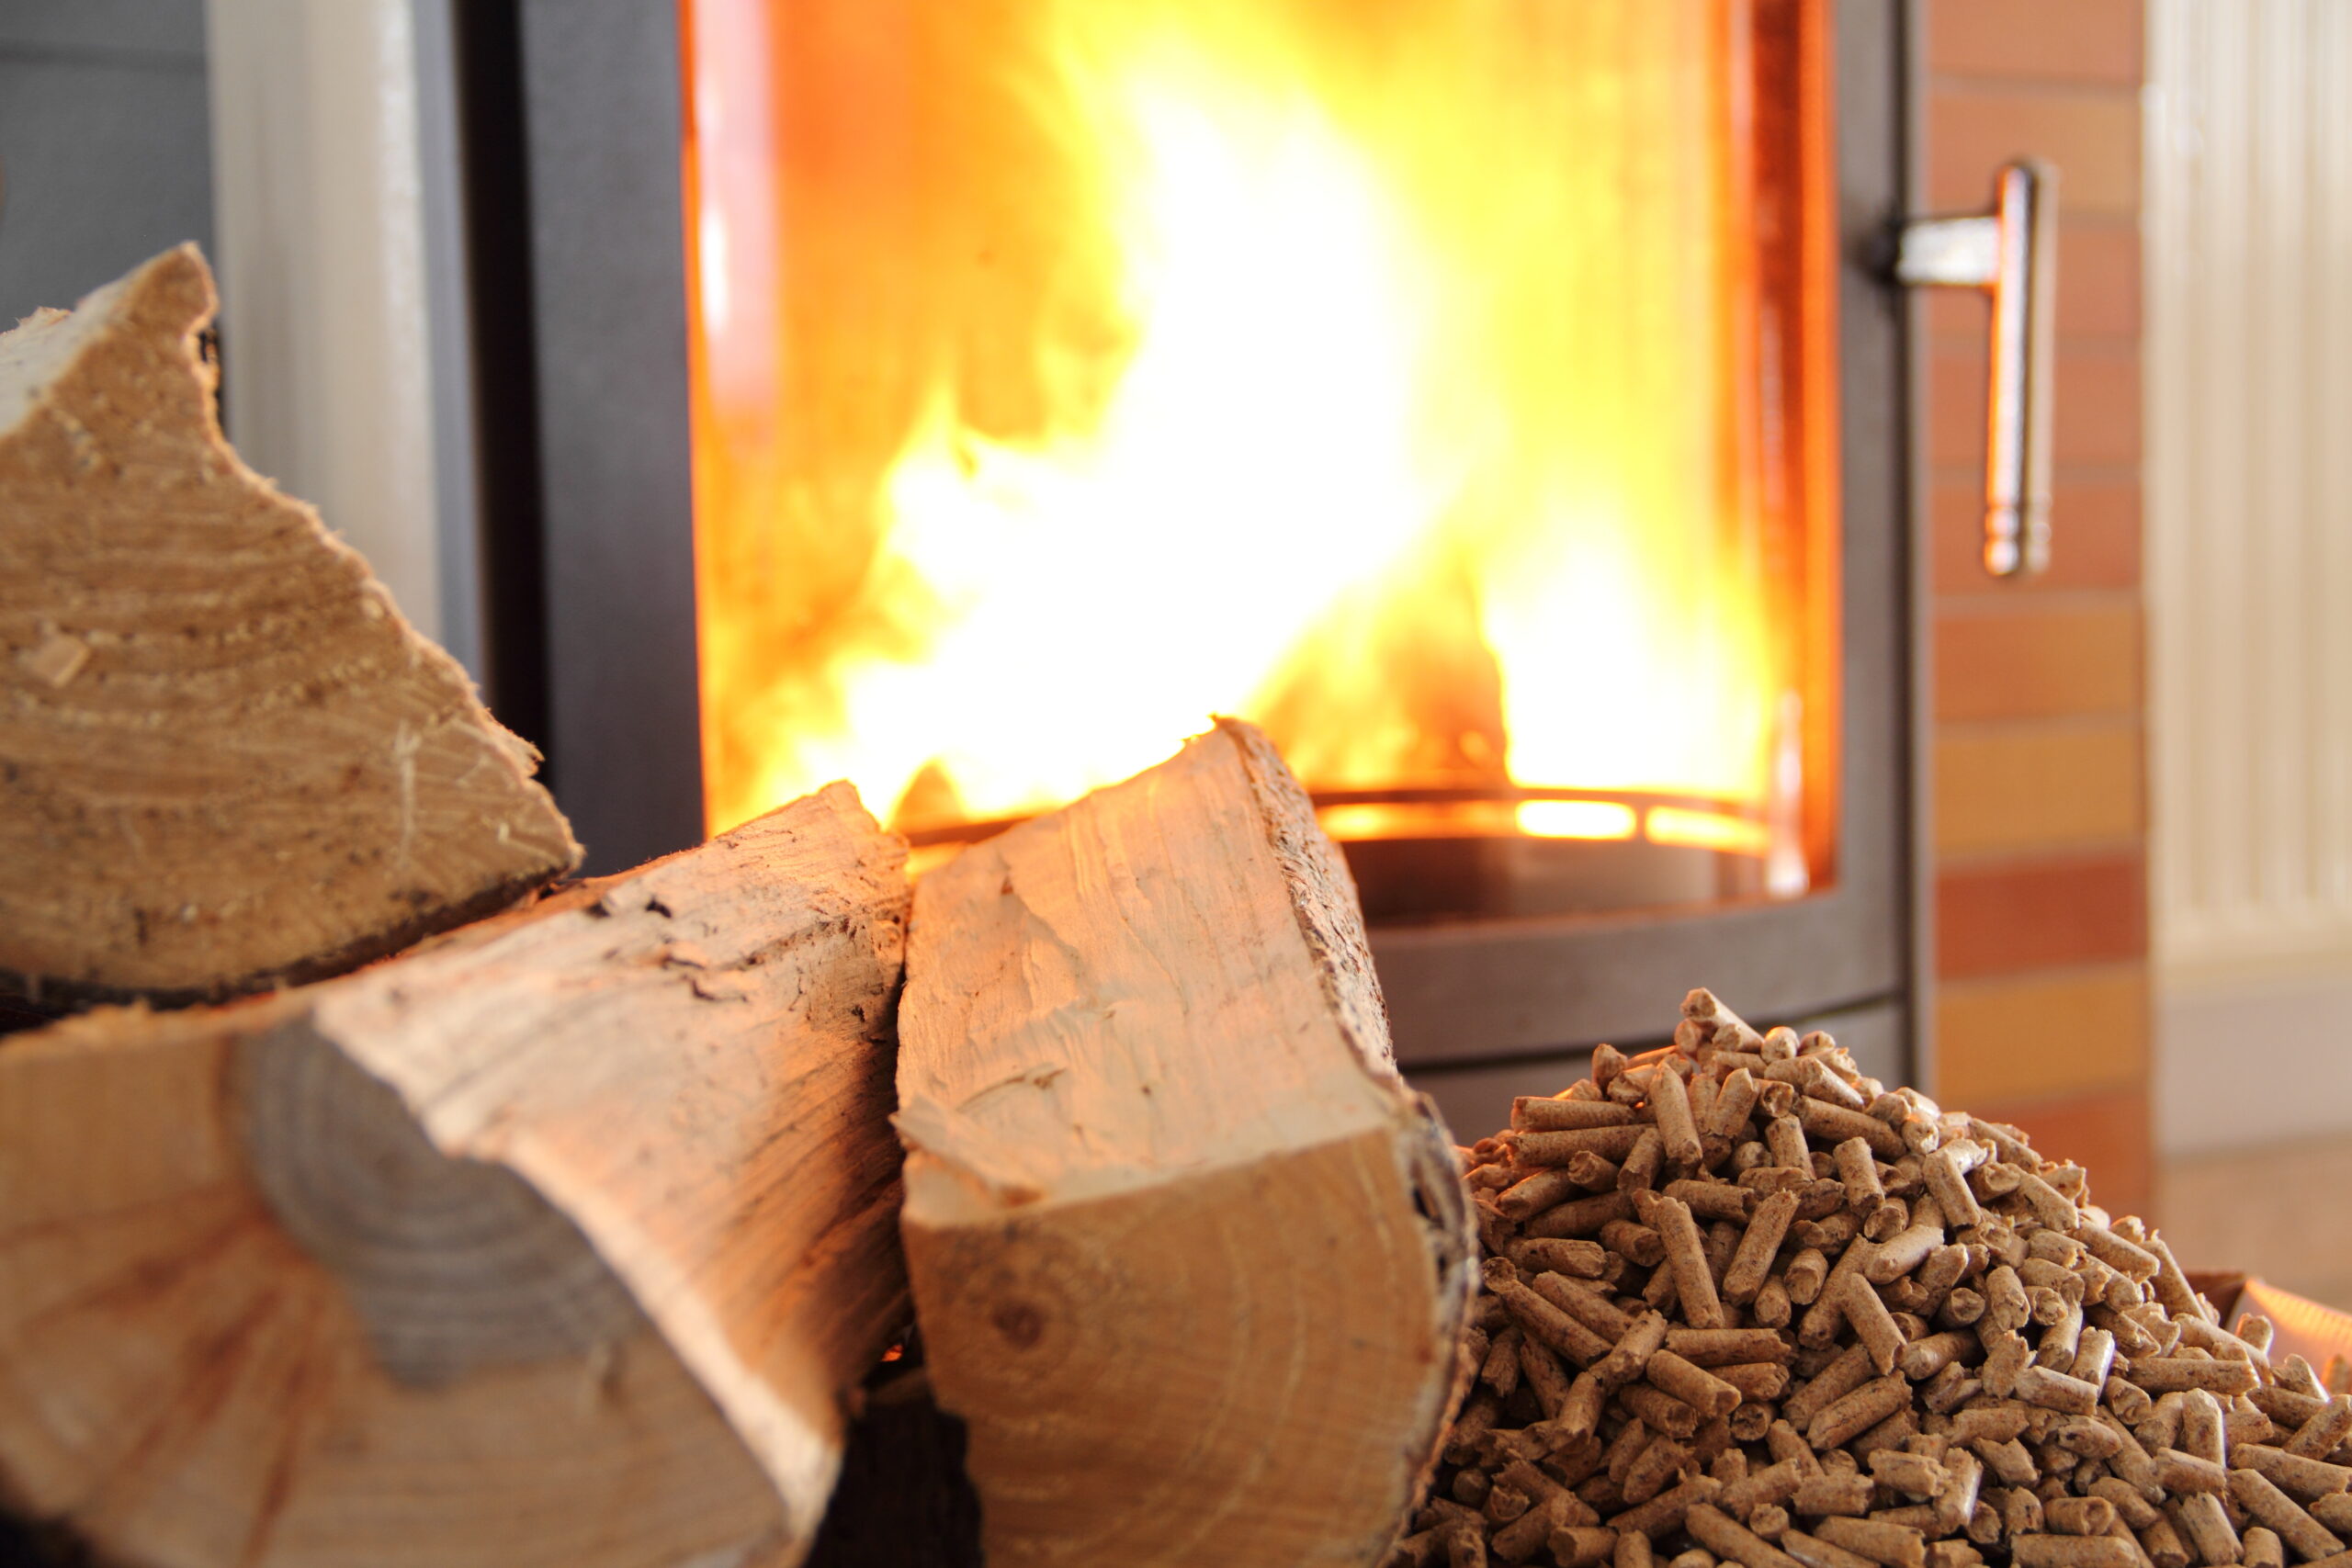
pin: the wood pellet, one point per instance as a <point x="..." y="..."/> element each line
<point x="1742" y="1304"/>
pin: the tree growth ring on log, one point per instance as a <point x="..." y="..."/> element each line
<point x="226" y="762"/>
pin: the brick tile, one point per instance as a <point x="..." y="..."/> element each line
<point x="2042" y="1036"/>
<point x="2098" y="416"/>
<point x="2046" y="914"/>
<point x="2096" y="420"/>
<point x="2037" y="787"/>
<point x="2028" y="659"/>
<point x="2095" y="538"/>
<point x="2099" y="288"/>
<point x="1955" y="411"/>
<point x="2077" y="40"/>
<point x="2093" y="138"/>
<point x="2107" y="1134"/>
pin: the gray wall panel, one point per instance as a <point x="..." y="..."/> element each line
<point x="106" y="163"/>
<point x="158" y="26"/>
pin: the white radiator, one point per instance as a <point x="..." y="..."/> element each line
<point x="2248" y="250"/>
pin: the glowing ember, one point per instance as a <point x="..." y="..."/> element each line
<point x="1576" y="818"/>
<point x="1396" y="373"/>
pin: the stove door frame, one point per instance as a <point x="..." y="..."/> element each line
<point x="600" y="83"/>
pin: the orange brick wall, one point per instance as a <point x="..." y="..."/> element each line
<point x="2040" y="830"/>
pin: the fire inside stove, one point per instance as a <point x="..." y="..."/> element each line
<point x="1444" y="385"/>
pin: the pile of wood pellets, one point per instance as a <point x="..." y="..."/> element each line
<point x="1742" y="1303"/>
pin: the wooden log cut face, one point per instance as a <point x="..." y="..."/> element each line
<point x="182" y="1384"/>
<point x="225" y="760"/>
<point x="452" y="1264"/>
<point x="1189" y="1260"/>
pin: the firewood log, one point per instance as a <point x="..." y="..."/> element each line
<point x="559" y="1240"/>
<point x="225" y="760"/>
<point x="1189" y="1259"/>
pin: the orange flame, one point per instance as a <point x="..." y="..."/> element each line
<point x="1388" y="371"/>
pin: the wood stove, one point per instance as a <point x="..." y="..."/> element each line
<point x="1523" y="912"/>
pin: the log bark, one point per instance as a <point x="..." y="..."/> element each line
<point x="226" y="761"/>
<point x="560" y="1240"/>
<point x="1189" y="1260"/>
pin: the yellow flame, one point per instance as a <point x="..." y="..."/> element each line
<point x="1222" y="355"/>
<point x="1245" y="228"/>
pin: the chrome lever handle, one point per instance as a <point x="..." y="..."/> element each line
<point x="2011" y="253"/>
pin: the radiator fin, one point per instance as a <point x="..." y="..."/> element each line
<point x="2249" y="473"/>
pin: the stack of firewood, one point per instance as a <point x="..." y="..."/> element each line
<point x="462" y="1215"/>
<point x="505" y="1250"/>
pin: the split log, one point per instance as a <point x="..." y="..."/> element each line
<point x="560" y="1240"/>
<point x="1189" y="1259"/>
<point x="226" y="762"/>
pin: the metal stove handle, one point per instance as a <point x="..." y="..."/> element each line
<point x="2011" y="253"/>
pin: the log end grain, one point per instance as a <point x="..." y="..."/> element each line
<point x="1182" y="1373"/>
<point x="182" y="1383"/>
<point x="230" y="763"/>
<point x="1190" y="1261"/>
